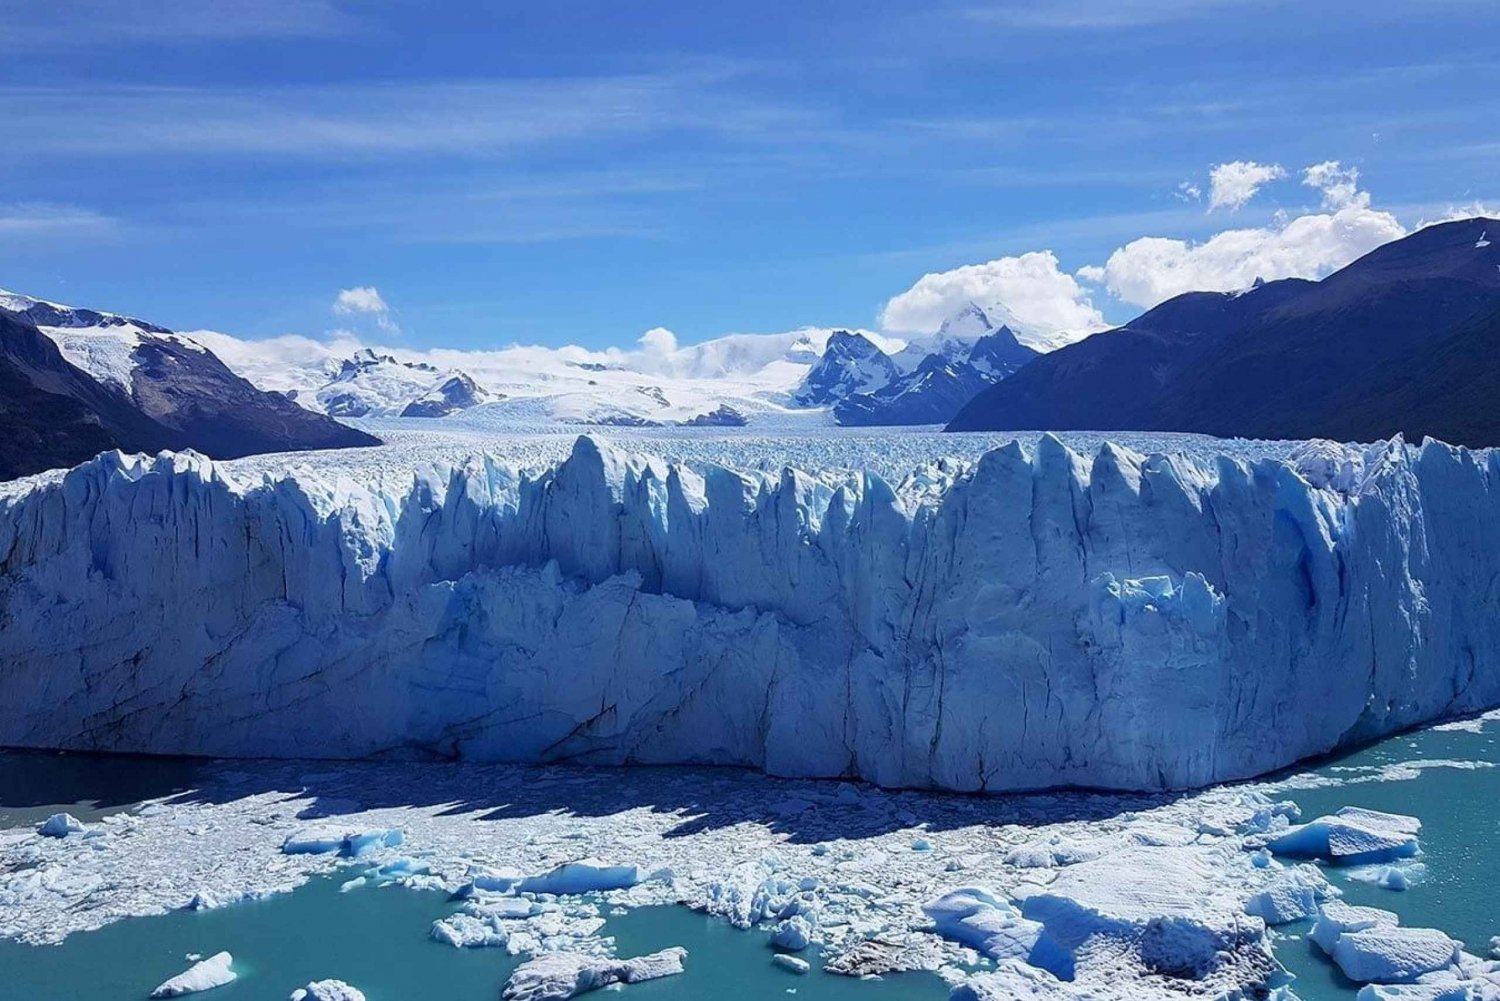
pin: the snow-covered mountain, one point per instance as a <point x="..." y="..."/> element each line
<point x="145" y="387"/>
<point x="749" y="378"/>
<point x="1037" y="618"/>
<point x="851" y="363"/>
<point x="370" y="384"/>
<point x="969" y="353"/>
<point x="454" y="391"/>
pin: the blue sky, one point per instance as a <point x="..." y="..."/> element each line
<point x="580" y="172"/>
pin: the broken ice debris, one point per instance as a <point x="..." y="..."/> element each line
<point x="559" y="975"/>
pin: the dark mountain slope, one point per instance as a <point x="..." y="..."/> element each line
<point x="1286" y="359"/>
<point x="54" y="415"/>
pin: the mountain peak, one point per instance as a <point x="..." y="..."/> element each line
<point x="968" y="323"/>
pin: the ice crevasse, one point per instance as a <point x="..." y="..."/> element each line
<point x="1035" y="619"/>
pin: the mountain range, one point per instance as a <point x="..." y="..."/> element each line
<point x="370" y="384"/>
<point x="77" y="382"/>
<point x="1406" y="339"/>
<point x="934" y="378"/>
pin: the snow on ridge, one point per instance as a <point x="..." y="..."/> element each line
<point x="1002" y="625"/>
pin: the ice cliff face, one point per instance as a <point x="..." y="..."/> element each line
<point x="1038" y="620"/>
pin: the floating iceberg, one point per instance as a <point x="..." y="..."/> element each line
<point x="1353" y="836"/>
<point x="1390" y="954"/>
<point x="1033" y="619"/>
<point x="1336" y="917"/>
<point x="201" y="976"/>
<point x="328" y="990"/>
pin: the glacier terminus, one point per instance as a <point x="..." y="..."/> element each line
<point x="1036" y="618"/>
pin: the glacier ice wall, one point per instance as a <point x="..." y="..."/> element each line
<point x="1034" y="620"/>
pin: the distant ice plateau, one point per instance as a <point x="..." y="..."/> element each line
<point x="1032" y="618"/>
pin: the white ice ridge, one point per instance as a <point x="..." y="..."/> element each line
<point x="1034" y="619"/>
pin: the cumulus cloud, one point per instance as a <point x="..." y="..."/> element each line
<point x="1339" y="184"/>
<point x="365" y="300"/>
<point x="1151" y="270"/>
<point x="659" y="341"/>
<point x="1045" y="305"/>
<point x="1231" y="185"/>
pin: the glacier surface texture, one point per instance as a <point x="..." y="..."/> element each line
<point x="1033" y="619"/>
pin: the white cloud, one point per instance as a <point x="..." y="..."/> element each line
<point x="1470" y="210"/>
<point x="360" y="299"/>
<point x="1187" y="191"/>
<point x="365" y="300"/>
<point x="1233" y="184"/>
<point x="1151" y="270"/>
<point x="659" y="341"/>
<point x="1339" y="184"/>
<point x="1048" y="305"/>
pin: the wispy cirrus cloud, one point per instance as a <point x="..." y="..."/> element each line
<point x="469" y="119"/>
<point x="1100" y="15"/>
<point x="47" y="219"/>
<point x="81" y="23"/>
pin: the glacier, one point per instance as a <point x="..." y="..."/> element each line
<point x="1036" y="618"/>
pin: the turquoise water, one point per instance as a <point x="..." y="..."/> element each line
<point x="1460" y="811"/>
<point x="377" y="938"/>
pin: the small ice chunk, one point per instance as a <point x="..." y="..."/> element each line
<point x="60" y="825"/>
<point x="1336" y="917"/>
<point x="791" y="963"/>
<point x="555" y="976"/>
<point x="1291" y="896"/>
<point x="328" y="990"/>
<point x="583" y="876"/>
<point x="201" y="976"/>
<point x="1392" y="879"/>
<point x="1390" y="954"/>
<point x="794" y="934"/>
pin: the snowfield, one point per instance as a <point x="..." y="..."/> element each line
<point x="1012" y="617"/>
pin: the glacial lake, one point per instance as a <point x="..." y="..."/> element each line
<point x="377" y="937"/>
